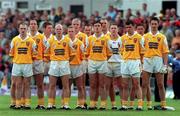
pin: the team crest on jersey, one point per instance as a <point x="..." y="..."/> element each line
<point x="135" y="40"/>
<point x="158" y="39"/>
<point x="27" y="43"/>
<point x="64" y="44"/>
<point x="75" y="46"/>
<point x="37" y="41"/>
<point x="80" y="38"/>
<point x="102" y="42"/>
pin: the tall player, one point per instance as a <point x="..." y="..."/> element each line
<point x="97" y="66"/>
<point x="22" y="49"/>
<point x="155" y="60"/>
<point x="59" y="50"/>
<point x="114" y="62"/>
<point x="38" y="68"/>
<point x="47" y="34"/>
<point x="76" y="66"/>
<point x="76" y="23"/>
<point x="132" y="44"/>
<point x="105" y="30"/>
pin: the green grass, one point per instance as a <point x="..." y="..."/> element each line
<point x="5" y="111"/>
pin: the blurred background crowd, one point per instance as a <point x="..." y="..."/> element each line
<point x="9" y="20"/>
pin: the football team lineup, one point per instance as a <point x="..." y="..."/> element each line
<point x="102" y="53"/>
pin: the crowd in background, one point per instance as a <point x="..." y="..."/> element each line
<point x="9" y="20"/>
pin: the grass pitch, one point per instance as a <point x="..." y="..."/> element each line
<point x="5" y="111"/>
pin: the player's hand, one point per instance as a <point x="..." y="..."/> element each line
<point x="164" y="69"/>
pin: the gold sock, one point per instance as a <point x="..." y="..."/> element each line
<point x="22" y="101"/>
<point x="131" y="103"/>
<point x="103" y="104"/>
<point x="140" y="103"/>
<point x="92" y="104"/>
<point x="124" y="103"/>
<point x="13" y="101"/>
<point x="27" y="102"/>
<point x="50" y="101"/>
<point x="66" y="101"/>
<point x="113" y="103"/>
<point x="78" y="102"/>
<point x="18" y="102"/>
<point x="163" y="103"/>
<point x="41" y="101"/>
<point x="149" y="103"/>
<point x="62" y="102"/>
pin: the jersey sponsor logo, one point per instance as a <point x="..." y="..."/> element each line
<point x="59" y="51"/>
<point x="153" y="45"/>
<point x="97" y="49"/>
<point x="115" y="50"/>
<point x="22" y="50"/>
<point x="129" y="47"/>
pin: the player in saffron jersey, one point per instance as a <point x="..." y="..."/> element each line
<point x="76" y="23"/>
<point x="58" y="48"/>
<point x="97" y="66"/>
<point x="155" y="61"/>
<point x="22" y="49"/>
<point x="132" y="45"/>
<point x="76" y="66"/>
<point x="38" y="67"/>
<point x="88" y="30"/>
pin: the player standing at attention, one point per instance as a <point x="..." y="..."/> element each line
<point x="22" y="50"/>
<point x="76" y="23"/>
<point x="132" y="44"/>
<point x="114" y="62"/>
<point x="58" y="48"/>
<point x="155" y="61"/>
<point x="105" y="30"/>
<point x="140" y="30"/>
<point x="38" y="67"/>
<point x="47" y="34"/>
<point x="97" y="66"/>
<point x="88" y="30"/>
<point x="76" y="66"/>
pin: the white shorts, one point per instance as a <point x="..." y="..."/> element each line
<point x="46" y="67"/>
<point x="85" y="66"/>
<point x="46" y="80"/>
<point x="38" y="67"/>
<point x="131" y="68"/>
<point x="114" y="69"/>
<point x="153" y="65"/>
<point x="59" y="68"/>
<point x="76" y="71"/>
<point x="97" y="67"/>
<point x="24" y="70"/>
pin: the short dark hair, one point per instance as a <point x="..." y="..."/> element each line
<point x="154" y="19"/>
<point x="45" y="24"/>
<point x="139" y="24"/>
<point x="97" y="21"/>
<point x="129" y="22"/>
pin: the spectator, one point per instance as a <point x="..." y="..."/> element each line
<point x="176" y="74"/>
<point x="144" y="12"/>
<point x="111" y="13"/>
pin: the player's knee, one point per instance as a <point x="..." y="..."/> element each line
<point x="160" y="85"/>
